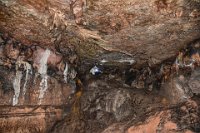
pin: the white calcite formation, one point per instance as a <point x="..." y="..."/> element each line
<point x="65" y="73"/>
<point x="42" y="70"/>
<point x="28" y="69"/>
<point x="17" y="81"/>
<point x="128" y="60"/>
<point x="16" y="86"/>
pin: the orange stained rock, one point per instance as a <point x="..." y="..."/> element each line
<point x="170" y="126"/>
<point x="149" y="127"/>
<point x="196" y="57"/>
<point x="188" y="131"/>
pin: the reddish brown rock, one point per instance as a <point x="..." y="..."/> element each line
<point x="159" y="122"/>
<point x="149" y="126"/>
<point x="146" y="30"/>
<point x="54" y="60"/>
<point x="29" y="119"/>
<point x="12" y="50"/>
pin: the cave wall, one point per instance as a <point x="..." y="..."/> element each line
<point x="81" y="33"/>
<point x="148" y="31"/>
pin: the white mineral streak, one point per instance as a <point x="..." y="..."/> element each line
<point x="16" y="86"/>
<point x="131" y="61"/>
<point x="28" y="69"/>
<point x="43" y="72"/>
<point x="104" y="61"/>
<point x="65" y="73"/>
<point x="17" y="81"/>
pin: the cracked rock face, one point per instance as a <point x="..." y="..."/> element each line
<point x="164" y="121"/>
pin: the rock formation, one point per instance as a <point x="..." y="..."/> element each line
<point x="145" y="54"/>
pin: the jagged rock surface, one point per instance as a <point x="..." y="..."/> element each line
<point x="149" y="31"/>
